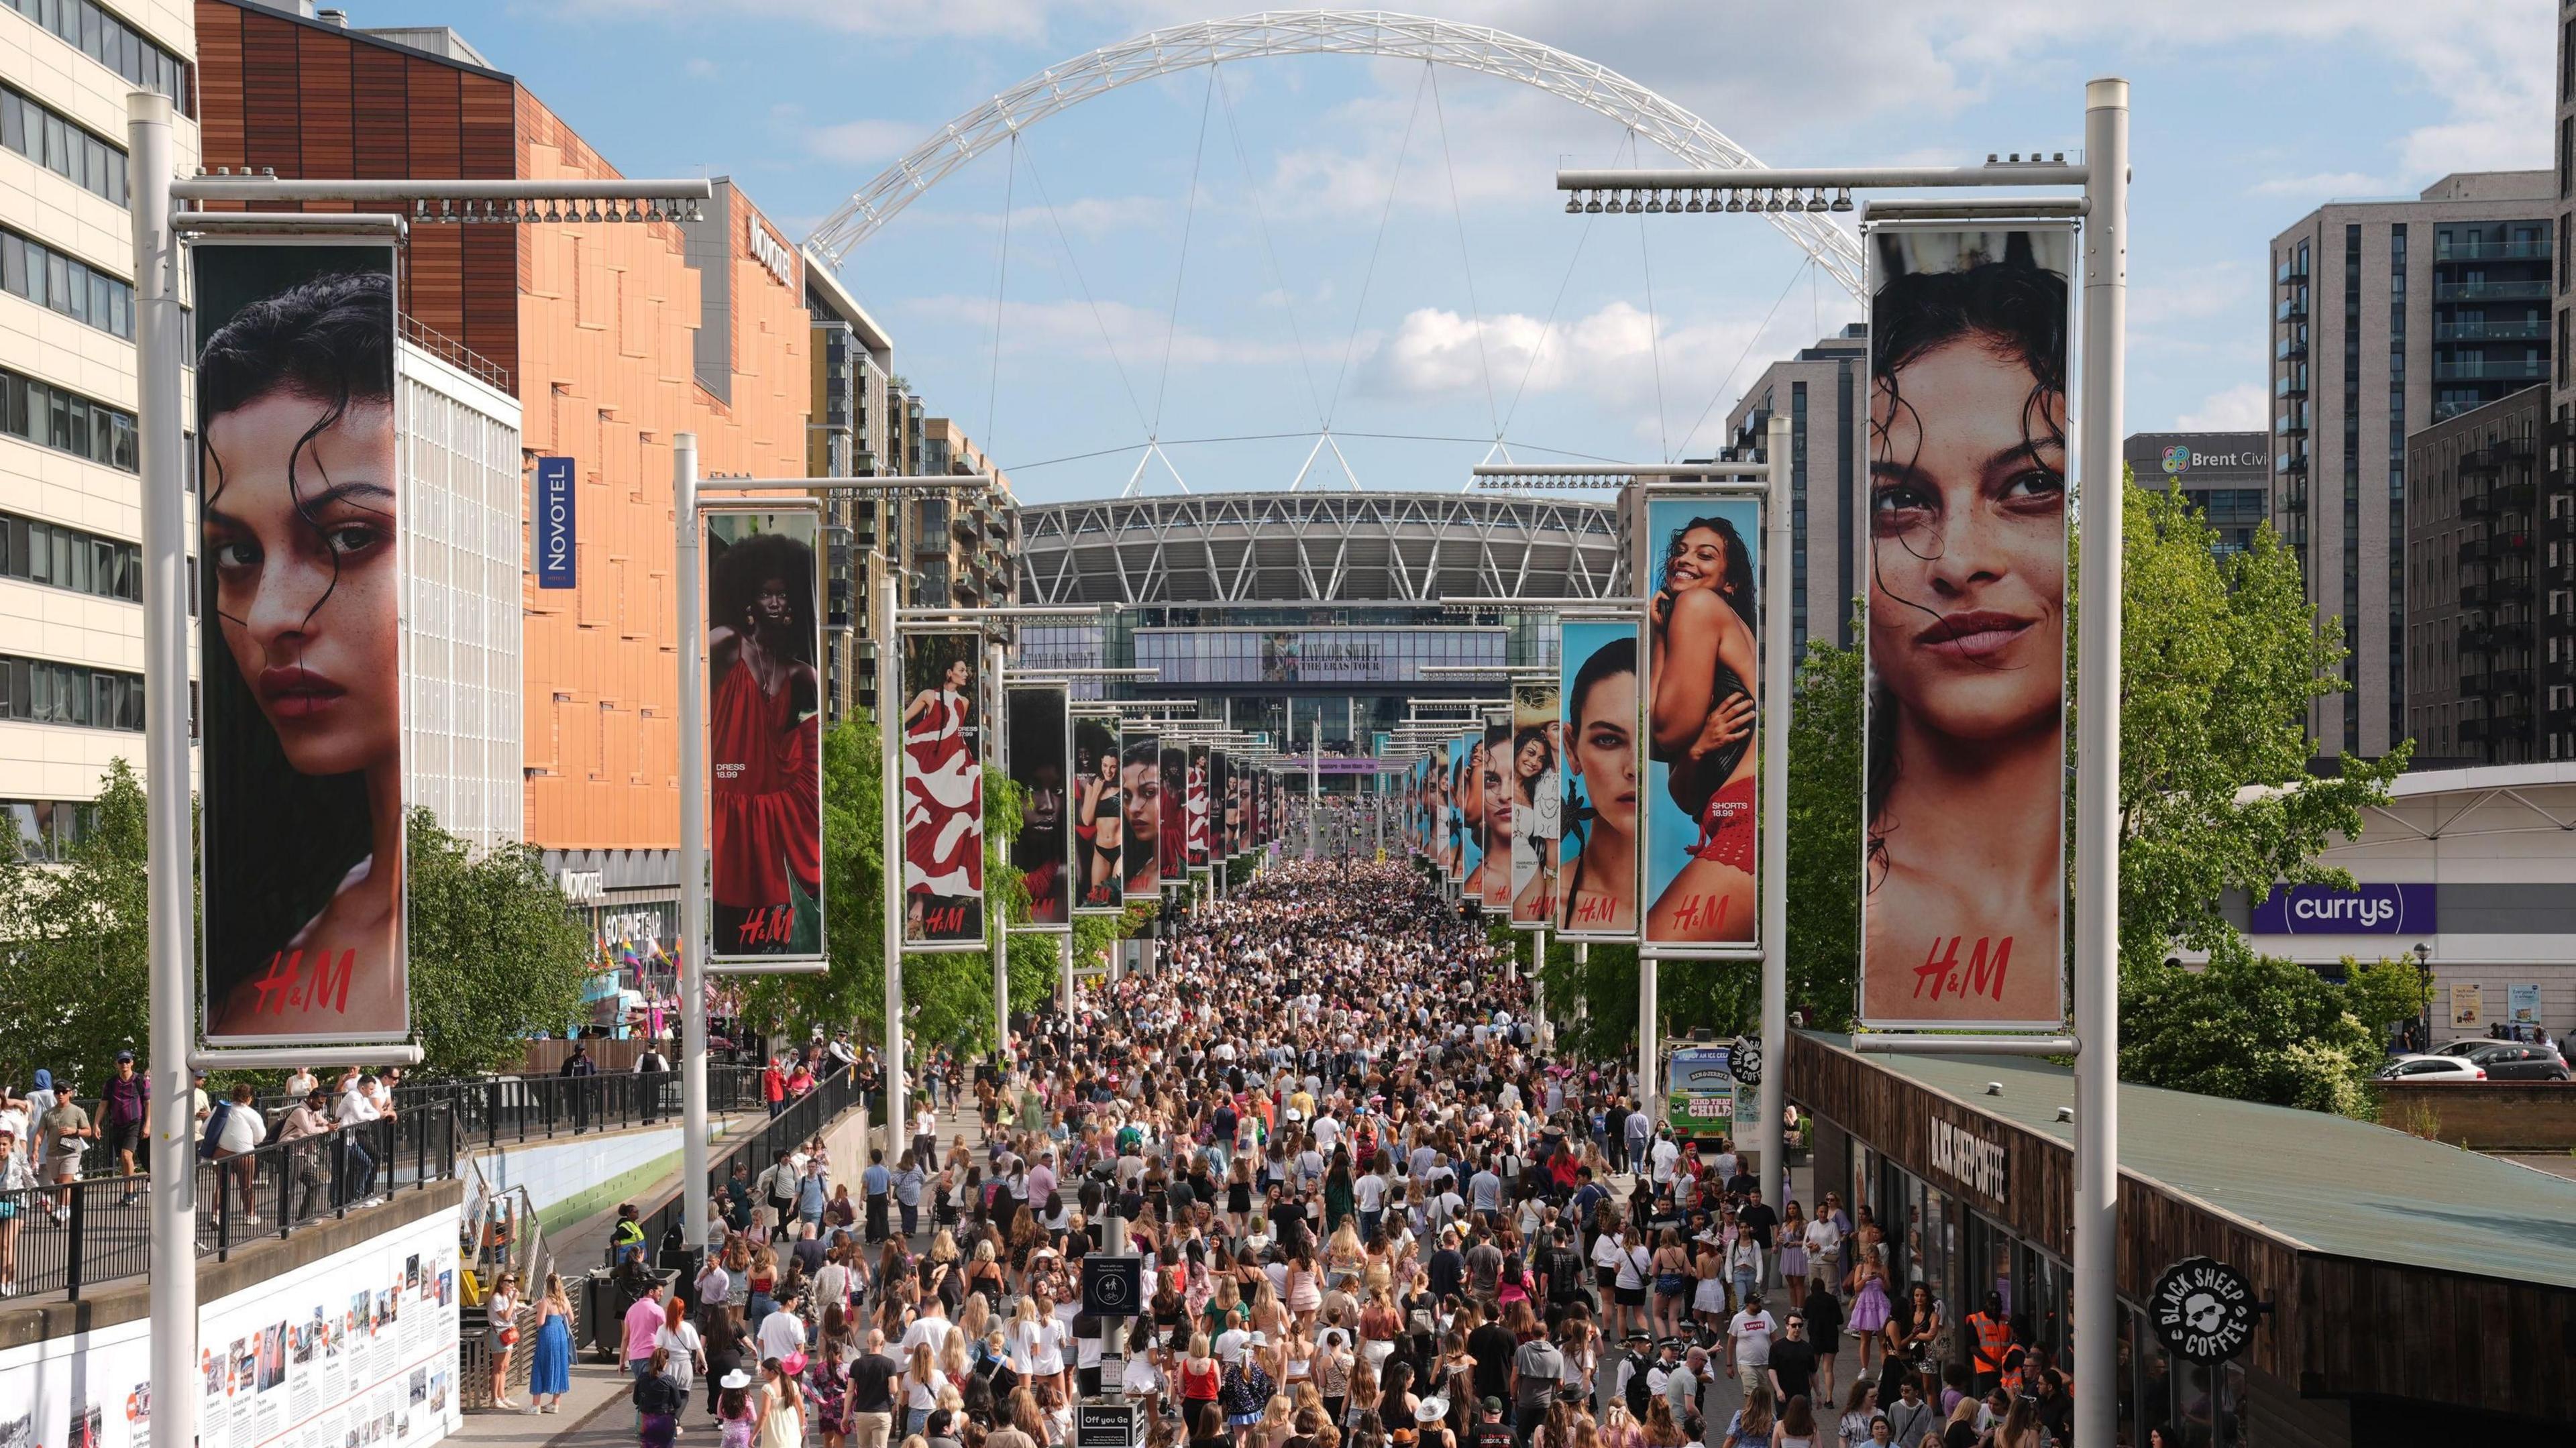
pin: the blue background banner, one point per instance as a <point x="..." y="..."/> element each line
<point x="557" y="556"/>
<point x="2363" y="910"/>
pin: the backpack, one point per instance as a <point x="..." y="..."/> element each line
<point x="214" y="1132"/>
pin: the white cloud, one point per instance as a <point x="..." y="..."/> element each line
<point x="2195" y="294"/>
<point x="2246" y="407"/>
<point x="862" y="142"/>
<point x="1077" y="328"/>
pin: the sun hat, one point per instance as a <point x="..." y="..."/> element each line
<point x="735" y="1380"/>
<point x="1431" y="1409"/>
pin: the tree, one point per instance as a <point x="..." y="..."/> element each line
<point x="2248" y="1026"/>
<point x="1824" y="833"/>
<point x="2220" y="660"/>
<point x="75" y="973"/>
<point x="495" y="957"/>
<point x="2384" y="992"/>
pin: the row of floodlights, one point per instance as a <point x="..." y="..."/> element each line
<point x="1651" y="199"/>
<point x="511" y="212"/>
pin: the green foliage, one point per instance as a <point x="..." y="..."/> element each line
<point x="75" y="976"/>
<point x="2248" y="1026"/>
<point x="2219" y="663"/>
<point x="2383" y="992"/>
<point x="495" y="956"/>
<point x="1824" y="833"/>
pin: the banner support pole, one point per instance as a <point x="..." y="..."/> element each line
<point x="1064" y="962"/>
<point x="995" y="664"/>
<point x="694" y="936"/>
<point x="2097" y="752"/>
<point x="890" y="827"/>
<point x="160" y="334"/>
<point x="1649" y="1020"/>
<point x="1772" y="1092"/>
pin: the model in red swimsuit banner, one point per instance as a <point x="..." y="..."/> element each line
<point x="943" y="792"/>
<point x="1963" y="872"/>
<point x="1042" y="765"/>
<point x="1099" y="821"/>
<point x="764" y="736"/>
<point x="1703" y="682"/>
<point x="301" y="570"/>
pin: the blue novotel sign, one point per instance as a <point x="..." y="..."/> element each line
<point x="2363" y="910"/>
<point x="557" y="557"/>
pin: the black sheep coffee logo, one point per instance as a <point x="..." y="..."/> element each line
<point x="2203" y="1311"/>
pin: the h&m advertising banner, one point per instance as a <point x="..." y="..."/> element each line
<point x="1536" y="781"/>
<point x="1963" y="867"/>
<point x="302" y="576"/>
<point x="1140" y="785"/>
<point x="1702" y="557"/>
<point x="1041" y="764"/>
<point x="1099" y="818"/>
<point x="764" y="734"/>
<point x="1597" y="852"/>
<point x="943" y="791"/>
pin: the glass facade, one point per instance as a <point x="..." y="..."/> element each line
<point x="1233" y="656"/>
<point x="41" y="134"/>
<point x="47" y="277"/>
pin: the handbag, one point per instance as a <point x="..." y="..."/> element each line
<point x="510" y="1337"/>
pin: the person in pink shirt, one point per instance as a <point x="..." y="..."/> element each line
<point x="643" y="1320"/>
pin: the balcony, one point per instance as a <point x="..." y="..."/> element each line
<point x="2490" y="369"/>
<point x="2292" y="423"/>
<point x="2478" y="248"/>
<point x="2520" y="291"/>
<point x="962" y="528"/>
<point x="2495" y="638"/>
<point x="2293" y="383"/>
<point x="967" y="591"/>
<point x="2451" y="331"/>
<point x="2293" y="309"/>
<point x="2292" y="270"/>
<point x="2495" y="592"/>
<point x="2294" y="498"/>
<point x="2474" y="552"/>
<point x="2291" y="349"/>
<point x="2511" y="498"/>
<point x="2492" y="682"/>
<point x="2294" y="464"/>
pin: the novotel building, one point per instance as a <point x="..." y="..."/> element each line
<point x="2470" y="864"/>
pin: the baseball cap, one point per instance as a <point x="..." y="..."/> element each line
<point x="1493" y="1405"/>
<point x="125" y="1056"/>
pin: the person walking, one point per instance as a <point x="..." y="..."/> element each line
<point x="125" y="1113"/>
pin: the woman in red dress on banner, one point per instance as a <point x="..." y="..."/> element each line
<point x="765" y="748"/>
<point x="943" y="814"/>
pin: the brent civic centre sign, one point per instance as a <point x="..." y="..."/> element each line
<point x="2372" y="909"/>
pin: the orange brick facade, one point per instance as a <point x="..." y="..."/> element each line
<point x="597" y="332"/>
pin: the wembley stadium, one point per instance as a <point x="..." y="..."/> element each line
<point x="1294" y="613"/>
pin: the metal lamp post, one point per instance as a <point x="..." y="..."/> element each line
<point x="2424" y="977"/>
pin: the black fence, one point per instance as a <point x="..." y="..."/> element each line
<point x="64" y="1238"/>
<point x="799" y="1119"/>
<point x="534" y="1108"/>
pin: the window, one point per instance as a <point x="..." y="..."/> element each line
<point x="47" y="829"/>
<point x="96" y="32"/>
<point x="32" y="130"/>
<point x="47" y="277"/>
<point x="47" y="553"/>
<point x="41" y="691"/>
<point x="47" y="415"/>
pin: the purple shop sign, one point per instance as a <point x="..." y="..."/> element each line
<point x="2362" y="910"/>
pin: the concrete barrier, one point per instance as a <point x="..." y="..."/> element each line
<point x="2483" y="1115"/>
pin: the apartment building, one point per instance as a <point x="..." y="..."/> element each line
<point x="1824" y="392"/>
<point x="2387" y="316"/>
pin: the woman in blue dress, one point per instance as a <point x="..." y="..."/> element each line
<point x="550" y="1365"/>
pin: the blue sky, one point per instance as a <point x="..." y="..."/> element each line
<point x="1450" y="297"/>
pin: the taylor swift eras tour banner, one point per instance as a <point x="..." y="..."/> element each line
<point x="943" y="792"/>
<point x="1195" y="806"/>
<point x="1963" y="852"/>
<point x="1041" y="764"/>
<point x="1099" y="819"/>
<point x="1536" y="783"/>
<point x="1493" y="883"/>
<point x="1700" y="554"/>
<point x="764" y="734"/>
<point x="1140" y="792"/>
<point x="1597" y="853"/>
<point x="301" y="573"/>
<point x="1171" y="846"/>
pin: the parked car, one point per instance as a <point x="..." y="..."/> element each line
<point x="2513" y="1061"/>
<point x="2510" y="1060"/>
<point x="2432" y="1068"/>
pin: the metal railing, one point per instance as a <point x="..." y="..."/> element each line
<point x="799" y="1120"/>
<point x="534" y="1108"/>
<point x="70" y="1238"/>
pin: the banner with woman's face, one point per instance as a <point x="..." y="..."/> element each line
<point x="1041" y="764"/>
<point x="1099" y="815"/>
<point x="1964" y="881"/>
<point x="1172" y="846"/>
<point x="1500" y="801"/>
<point x="1597" y="853"/>
<point x="1701" y="557"/>
<point x="1199" y="802"/>
<point x="1220" y="806"/>
<point x="943" y="792"/>
<point x="301" y="574"/>
<point x="1536" y="781"/>
<point x="764" y="734"/>
<point x="1140" y="795"/>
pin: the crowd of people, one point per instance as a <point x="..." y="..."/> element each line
<point x="1369" y="1211"/>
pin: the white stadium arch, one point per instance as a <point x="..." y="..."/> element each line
<point x="1479" y="48"/>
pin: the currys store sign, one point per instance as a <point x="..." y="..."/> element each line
<point x="2362" y="910"/>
